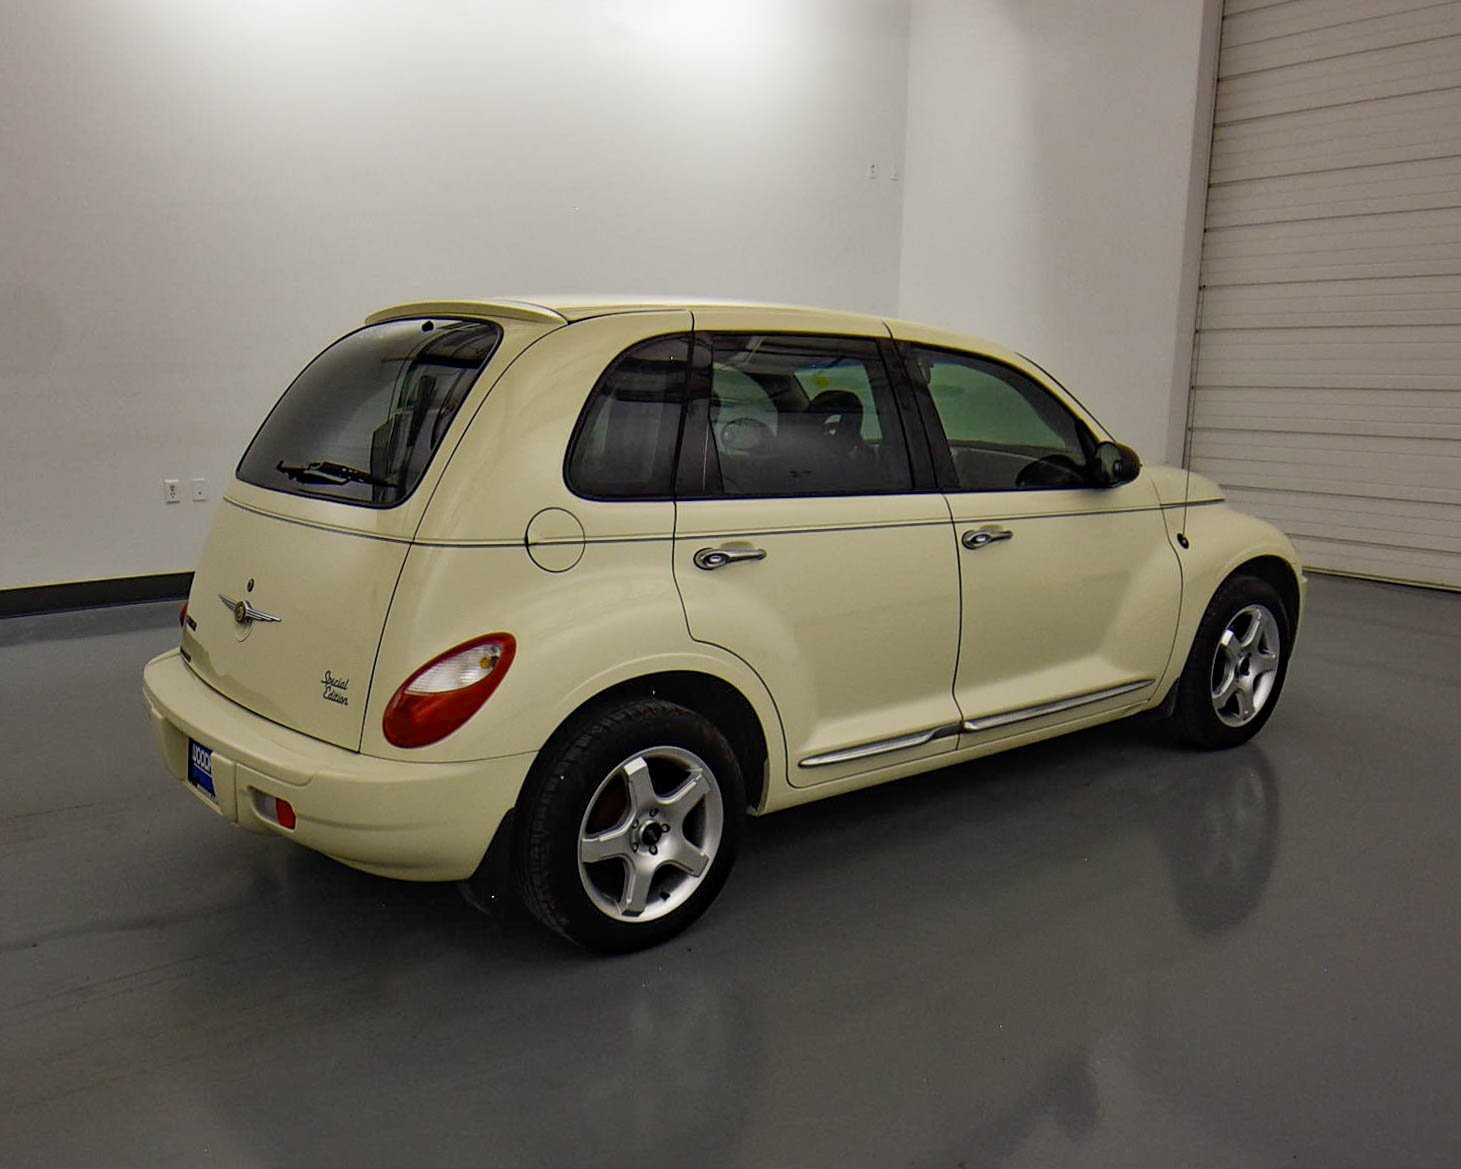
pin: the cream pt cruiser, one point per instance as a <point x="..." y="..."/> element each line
<point x="551" y="595"/>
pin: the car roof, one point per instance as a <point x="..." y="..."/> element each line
<point x="565" y="308"/>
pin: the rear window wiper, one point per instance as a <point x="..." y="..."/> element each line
<point x="328" y="472"/>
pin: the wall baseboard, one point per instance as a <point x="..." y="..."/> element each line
<point x="92" y="594"/>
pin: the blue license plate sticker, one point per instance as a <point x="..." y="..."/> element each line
<point x="200" y="767"/>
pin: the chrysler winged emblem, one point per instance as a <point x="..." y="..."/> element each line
<point x="243" y="612"/>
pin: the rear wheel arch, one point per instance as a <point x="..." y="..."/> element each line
<point x="629" y="821"/>
<point x="713" y="698"/>
<point x="705" y="694"/>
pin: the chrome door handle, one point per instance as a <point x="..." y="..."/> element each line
<point x="713" y="558"/>
<point x="974" y="540"/>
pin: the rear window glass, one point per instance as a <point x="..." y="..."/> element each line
<point x="362" y="422"/>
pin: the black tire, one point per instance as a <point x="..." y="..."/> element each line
<point x="594" y="765"/>
<point x="1196" y="716"/>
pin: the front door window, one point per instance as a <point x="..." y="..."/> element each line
<point x="1004" y="432"/>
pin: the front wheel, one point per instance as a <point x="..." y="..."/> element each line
<point x="1236" y="668"/>
<point x="629" y="825"/>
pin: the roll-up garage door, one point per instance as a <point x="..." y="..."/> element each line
<point x="1327" y="380"/>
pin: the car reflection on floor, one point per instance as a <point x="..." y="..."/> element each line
<point x="488" y="1035"/>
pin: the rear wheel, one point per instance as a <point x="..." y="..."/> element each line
<point x="1236" y="667"/>
<point x="629" y="825"/>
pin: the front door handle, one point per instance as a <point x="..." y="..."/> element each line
<point x="713" y="558"/>
<point x="983" y="537"/>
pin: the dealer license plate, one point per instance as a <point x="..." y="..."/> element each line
<point x="200" y="767"/>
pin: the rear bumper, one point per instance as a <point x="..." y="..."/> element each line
<point x="415" y="821"/>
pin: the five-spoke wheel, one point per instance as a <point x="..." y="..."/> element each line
<point x="650" y="833"/>
<point x="1236" y="666"/>
<point x="1245" y="665"/>
<point x="628" y="824"/>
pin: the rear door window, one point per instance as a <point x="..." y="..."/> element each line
<point x="361" y="424"/>
<point x="799" y="415"/>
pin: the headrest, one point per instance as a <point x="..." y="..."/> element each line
<point x="846" y="408"/>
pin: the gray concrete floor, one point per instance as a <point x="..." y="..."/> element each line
<point x="1098" y="951"/>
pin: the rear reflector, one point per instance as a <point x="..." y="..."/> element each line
<point x="281" y="812"/>
<point x="445" y="692"/>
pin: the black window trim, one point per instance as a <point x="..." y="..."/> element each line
<point x="694" y="422"/>
<point x="916" y="435"/>
<point x="938" y="440"/>
<point x="1063" y="388"/>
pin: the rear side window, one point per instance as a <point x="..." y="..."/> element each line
<point x="624" y="447"/>
<point x="361" y="423"/>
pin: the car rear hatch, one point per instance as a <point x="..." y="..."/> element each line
<point x="290" y="597"/>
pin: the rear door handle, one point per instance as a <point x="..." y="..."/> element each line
<point x="983" y="537"/>
<point x="713" y="558"/>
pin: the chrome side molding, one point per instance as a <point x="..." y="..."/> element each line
<point x="1005" y="718"/>
<point x="880" y="747"/>
<point x="972" y="725"/>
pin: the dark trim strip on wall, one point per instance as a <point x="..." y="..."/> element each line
<point x="92" y="594"/>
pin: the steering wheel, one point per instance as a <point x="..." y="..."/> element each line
<point x="746" y="436"/>
<point x="1051" y="471"/>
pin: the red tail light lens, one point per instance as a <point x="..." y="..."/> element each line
<point x="183" y="614"/>
<point x="447" y="691"/>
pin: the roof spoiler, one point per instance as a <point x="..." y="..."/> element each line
<point x="515" y="310"/>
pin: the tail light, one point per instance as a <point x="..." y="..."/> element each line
<point x="447" y="691"/>
<point x="183" y="614"/>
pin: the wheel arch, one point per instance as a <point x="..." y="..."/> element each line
<point x="707" y="695"/>
<point x="1225" y="545"/>
<point x="1278" y="572"/>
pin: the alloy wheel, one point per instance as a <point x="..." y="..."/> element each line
<point x="650" y="834"/>
<point x="1245" y="665"/>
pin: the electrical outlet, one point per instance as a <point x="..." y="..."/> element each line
<point x="200" y="490"/>
<point x="170" y="491"/>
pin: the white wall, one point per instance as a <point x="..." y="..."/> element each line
<point x="196" y="196"/>
<point x="1056" y="155"/>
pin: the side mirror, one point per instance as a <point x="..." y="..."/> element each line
<point x="1113" y="463"/>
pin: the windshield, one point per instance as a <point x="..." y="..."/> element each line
<point x="362" y="422"/>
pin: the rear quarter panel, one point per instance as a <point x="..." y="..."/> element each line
<point x="614" y="617"/>
<point x="611" y="615"/>
<point x="509" y="464"/>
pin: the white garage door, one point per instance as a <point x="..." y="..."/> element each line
<point x="1327" y="385"/>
